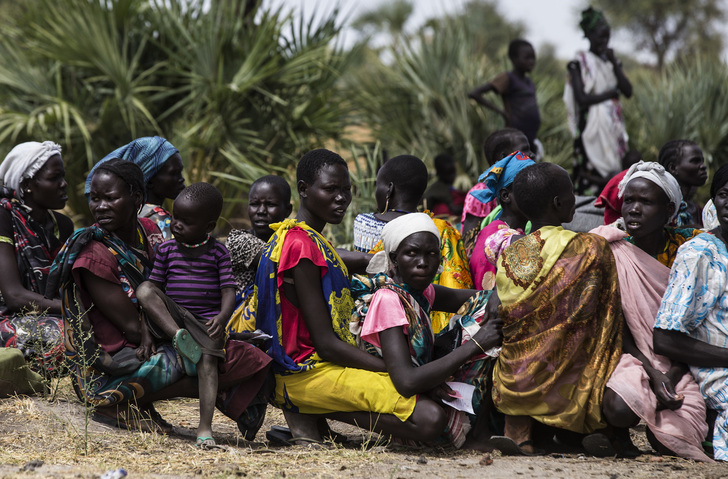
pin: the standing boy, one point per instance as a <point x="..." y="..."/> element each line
<point x="520" y="108"/>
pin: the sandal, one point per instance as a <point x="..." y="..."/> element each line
<point x="186" y="346"/>
<point x="207" y="443"/>
<point x="508" y="447"/>
<point x="279" y="436"/>
<point x="598" y="445"/>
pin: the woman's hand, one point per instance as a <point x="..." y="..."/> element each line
<point x="664" y="390"/>
<point x="609" y="53"/>
<point x="441" y="392"/>
<point x="146" y="348"/>
<point x="490" y="334"/>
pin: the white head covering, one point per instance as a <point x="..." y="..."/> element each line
<point x="657" y="174"/>
<point x="394" y="233"/>
<point x="24" y="161"/>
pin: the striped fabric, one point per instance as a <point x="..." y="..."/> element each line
<point x="194" y="282"/>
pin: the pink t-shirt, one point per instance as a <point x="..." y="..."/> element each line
<point x="386" y="311"/>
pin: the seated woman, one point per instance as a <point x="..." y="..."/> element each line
<point x="392" y="319"/>
<point x="304" y="302"/>
<point x="33" y="179"/>
<point x="162" y="166"/>
<point x="497" y="235"/>
<point x="99" y="269"/>
<point x="269" y="201"/>
<point x="400" y="185"/>
<point x="562" y="319"/>
<point x="497" y="146"/>
<point x="691" y="322"/>
<point x="646" y="385"/>
<point x="647" y="230"/>
<point x="684" y="160"/>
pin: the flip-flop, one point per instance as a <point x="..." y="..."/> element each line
<point x="279" y="433"/>
<point x="508" y="447"/>
<point x="598" y="445"/>
<point x="186" y="346"/>
<point x="207" y="443"/>
<point x="279" y="436"/>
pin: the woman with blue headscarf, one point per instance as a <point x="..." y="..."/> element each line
<point x="161" y="164"/>
<point x="503" y="223"/>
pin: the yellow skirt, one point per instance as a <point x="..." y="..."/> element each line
<point x="329" y="388"/>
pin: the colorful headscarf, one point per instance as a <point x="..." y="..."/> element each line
<point x="501" y="175"/>
<point x="149" y="153"/>
<point x="591" y="19"/>
<point x="394" y="233"/>
<point x="24" y="161"/>
<point x="657" y="174"/>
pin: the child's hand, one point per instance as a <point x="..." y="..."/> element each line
<point x="216" y="326"/>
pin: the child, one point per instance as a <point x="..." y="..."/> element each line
<point x="497" y="146"/>
<point x="442" y="198"/>
<point x="520" y="108"/>
<point x="684" y="160"/>
<point x="191" y="294"/>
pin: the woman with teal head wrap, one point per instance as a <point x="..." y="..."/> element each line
<point x="161" y="164"/>
<point x="505" y="221"/>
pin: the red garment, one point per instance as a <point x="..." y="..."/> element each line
<point x="609" y="200"/>
<point x="295" y="337"/>
<point x="97" y="259"/>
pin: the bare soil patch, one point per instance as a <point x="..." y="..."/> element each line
<point x="36" y="429"/>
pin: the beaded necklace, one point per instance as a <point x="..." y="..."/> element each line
<point x="193" y="246"/>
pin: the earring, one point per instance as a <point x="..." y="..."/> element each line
<point x="386" y="205"/>
<point x="27" y="190"/>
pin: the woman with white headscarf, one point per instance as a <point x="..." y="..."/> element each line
<point x="651" y="199"/>
<point x="392" y="320"/>
<point x="31" y="233"/>
<point x="646" y="386"/>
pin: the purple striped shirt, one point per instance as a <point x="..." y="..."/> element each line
<point x="194" y="283"/>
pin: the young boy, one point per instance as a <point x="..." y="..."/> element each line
<point x="520" y="108"/>
<point x="191" y="294"/>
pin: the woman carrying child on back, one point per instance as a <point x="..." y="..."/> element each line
<point x="392" y="319"/>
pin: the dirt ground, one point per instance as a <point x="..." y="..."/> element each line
<point x="42" y="438"/>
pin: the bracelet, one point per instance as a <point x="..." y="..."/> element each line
<point x="477" y="344"/>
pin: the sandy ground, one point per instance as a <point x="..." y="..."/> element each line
<point x="42" y="438"/>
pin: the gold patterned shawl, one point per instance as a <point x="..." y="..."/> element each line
<point x="562" y="328"/>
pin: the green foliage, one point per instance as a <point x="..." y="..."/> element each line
<point x="239" y="88"/>
<point x="684" y="101"/>
<point x="667" y="28"/>
<point x="418" y="104"/>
